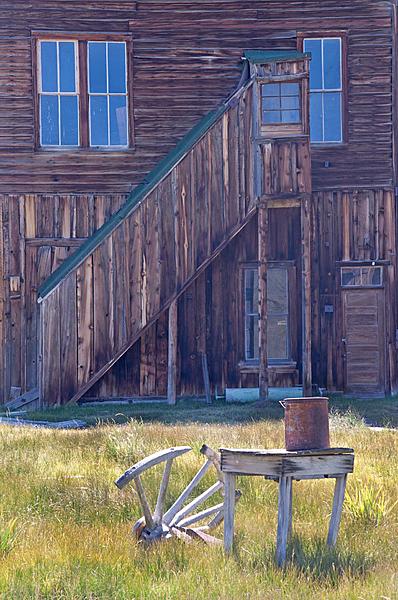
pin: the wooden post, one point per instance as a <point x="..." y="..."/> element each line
<point x="262" y="298"/>
<point x="338" y="500"/>
<point x="205" y="370"/>
<point x="229" y="510"/>
<point x="284" y="518"/>
<point x="172" y="355"/>
<point x="306" y="293"/>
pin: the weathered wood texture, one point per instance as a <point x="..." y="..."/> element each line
<point x="350" y="226"/>
<point x="210" y="320"/>
<point x="162" y="265"/>
<point x="186" y="58"/>
<point x="37" y="233"/>
<point x="347" y="226"/>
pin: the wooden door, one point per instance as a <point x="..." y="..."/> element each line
<point x="364" y="341"/>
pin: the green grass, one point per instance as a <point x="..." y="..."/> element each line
<point x="382" y="412"/>
<point x="66" y="527"/>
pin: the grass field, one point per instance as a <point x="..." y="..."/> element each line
<point x="65" y="527"/>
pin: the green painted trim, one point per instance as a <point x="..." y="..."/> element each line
<point x="266" y="56"/>
<point x="138" y="194"/>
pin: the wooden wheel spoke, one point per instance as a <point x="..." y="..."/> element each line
<point x="173" y="510"/>
<point x="158" y="514"/>
<point x="200" y="515"/>
<point x="144" y="502"/>
<point x="196" y="502"/>
<point x="177" y="521"/>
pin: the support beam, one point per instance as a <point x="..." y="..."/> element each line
<point x="262" y="298"/>
<point x="306" y="293"/>
<point x="172" y="355"/>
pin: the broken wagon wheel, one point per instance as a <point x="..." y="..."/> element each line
<point x="178" y="519"/>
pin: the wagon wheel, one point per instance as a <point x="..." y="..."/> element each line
<point x="178" y="519"/>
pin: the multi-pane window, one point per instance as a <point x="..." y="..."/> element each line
<point x="362" y="276"/>
<point x="108" y="93"/>
<point x="326" y="89"/>
<point x="58" y="94"/>
<point x="83" y="93"/>
<point x="280" y="103"/>
<point x="278" y="314"/>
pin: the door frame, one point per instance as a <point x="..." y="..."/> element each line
<point x="344" y="290"/>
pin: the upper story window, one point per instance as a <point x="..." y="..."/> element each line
<point x="83" y="93"/>
<point x="58" y="94"/>
<point x="326" y="89"/>
<point x="107" y="77"/>
<point x="280" y="103"/>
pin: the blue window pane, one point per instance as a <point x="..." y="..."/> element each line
<point x="331" y="64"/>
<point x="315" y="47"/>
<point x="98" y="121"/>
<point x="271" y="116"/>
<point x="97" y="67"/>
<point x="49" y="120"/>
<point x="118" y="120"/>
<point x="290" y="102"/>
<point x="332" y="116"/>
<point x="290" y="116"/>
<point x="117" y="67"/>
<point x="69" y="121"/>
<point x="271" y="103"/>
<point x="271" y="89"/>
<point x="316" y="117"/>
<point x="290" y="89"/>
<point x="67" y="67"/>
<point x="49" y="78"/>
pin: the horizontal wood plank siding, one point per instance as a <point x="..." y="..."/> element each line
<point x="186" y="59"/>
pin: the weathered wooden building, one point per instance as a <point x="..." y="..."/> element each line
<point x="166" y="167"/>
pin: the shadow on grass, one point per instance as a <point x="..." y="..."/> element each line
<point x="381" y="412"/>
<point x="186" y="411"/>
<point x="351" y="412"/>
<point x="315" y="560"/>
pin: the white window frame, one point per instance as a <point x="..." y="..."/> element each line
<point x="59" y="93"/>
<point x="108" y="94"/>
<point x="322" y="91"/>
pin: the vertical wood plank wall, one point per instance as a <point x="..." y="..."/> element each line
<point x="347" y="226"/>
<point x="37" y="233"/>
<point x="357" y="225"/>
<point x="350" y="225"/>
<point x="202" y="183"/>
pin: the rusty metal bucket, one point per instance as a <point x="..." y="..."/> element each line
<point x="306" y="423"/>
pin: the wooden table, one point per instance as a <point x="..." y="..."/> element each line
<point x="285" y="467"/>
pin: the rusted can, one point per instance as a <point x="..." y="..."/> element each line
<point x="306" y="423"/>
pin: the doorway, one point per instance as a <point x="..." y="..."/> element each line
<point x="364" y="330"/>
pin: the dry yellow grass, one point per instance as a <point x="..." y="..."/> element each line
<point x="72" y="537"/>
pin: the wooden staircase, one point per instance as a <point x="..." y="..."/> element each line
<point x="101" y="299"/>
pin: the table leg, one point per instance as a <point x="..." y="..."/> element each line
<point x="284" y="518"/>
<point x="290" y="511"/>
<point x="229" y="510"/>
<point x="338" y="499"/>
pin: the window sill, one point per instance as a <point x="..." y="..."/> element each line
<point x="327" y="145"/>
<point x="253" y="366"/>
<point x="80" y="150"/>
